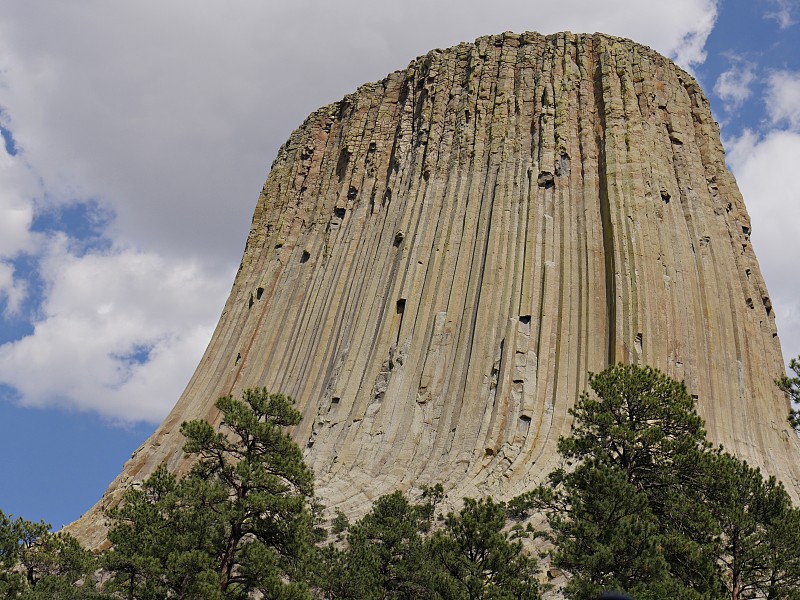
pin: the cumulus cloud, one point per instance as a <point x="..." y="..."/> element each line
<point x="783" y="98"/>
<point x="12" y="291"/>
<point x="119" y="333"/>
<point x="167" y="116"/>
<point x="177" y="109"/>
<point x="18" y="192"/>
<point x="691" y="49"/>
<point x="767" y="174"/>
<point x="733" y="85"/>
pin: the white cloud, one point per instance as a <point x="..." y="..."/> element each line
<point x="12" y="291"/>
<point x="18" y="192"/>
<point x="18" y="189"/>
<point x="768" y="177"/>
<point x="177" y="108"/>
<point x="783" y="98"/>
<point x="733" y="85"/>
<point x="691" y="50"/>
<point x="100" y="311"/>
<point x="782" y="13"/>
<point x="169" y="114"/>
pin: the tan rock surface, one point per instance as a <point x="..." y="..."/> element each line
<point x="436" y="261"/>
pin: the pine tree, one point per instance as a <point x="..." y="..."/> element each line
<point x="476" y="559"/>
<point x="791" y="387"/>
<point x="758" y="549"/>
<point x="238" y="523"/>
<point x="385" y="555"/>
<point x="626" y="511"/>
<point x="163" y="543"/>
<point x="609" y="537"/>
<point x="37" y="564"/>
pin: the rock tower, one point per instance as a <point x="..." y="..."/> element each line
<point x="437" y="260"/>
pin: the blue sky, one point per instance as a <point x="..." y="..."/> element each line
<point x="136" y="138"/>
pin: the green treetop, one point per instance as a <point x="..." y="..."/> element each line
<point x="238" y="523"/>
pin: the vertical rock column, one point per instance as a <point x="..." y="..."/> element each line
<point x="438" y="260"/>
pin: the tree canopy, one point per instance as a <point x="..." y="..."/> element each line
<point x="240" y="522"/>
<point x="642" y="504"/>
<point x="791" y="386"/>
<point x="36" y="564"/>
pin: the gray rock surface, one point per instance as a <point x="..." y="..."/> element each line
<point x="437" y="261"/>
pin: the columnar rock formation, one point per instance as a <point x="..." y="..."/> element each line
<point x="437" y="260"/>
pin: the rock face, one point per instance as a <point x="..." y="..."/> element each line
<point x="437" y="261"/>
